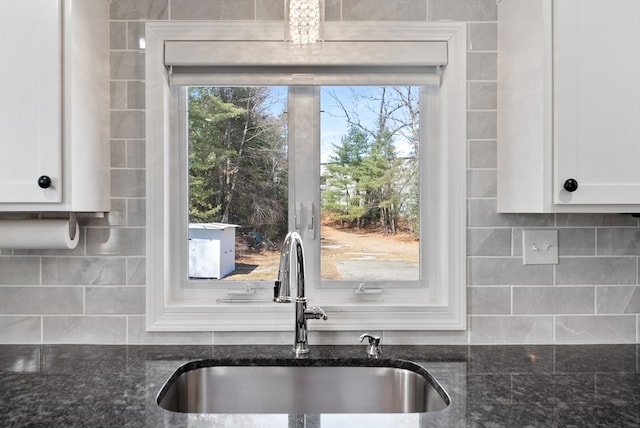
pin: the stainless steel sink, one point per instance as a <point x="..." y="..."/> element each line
<point x="303" y="387"/>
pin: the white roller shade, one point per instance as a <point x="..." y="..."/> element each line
<point x="277" y="63"/>
<point x="270" y="53"/>
<point x="291" y="76"/>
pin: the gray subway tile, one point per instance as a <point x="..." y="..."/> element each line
<point x="41" y="300"/>
<point x="115" y="216"/>
<point x="463" y="10"/>
<point x="118" y="35"/>
<point x="136" y="35"/>
<point x="483" y="96"/>
<point x="576" y="242"/>
<point x="20" y="329"/>
<point x="483" y="36"/>
<point x="384" y="10"/>
<point x="136" y="212"/>
<point x="507" y="271"/>
<point x="136" y="271"/>
<point x="618" y="300"/>
<point x="118" y="151"/>
<point x="517" y="242"/>
<point x="395" y="337"/>
<point x="118" y="95"/>
<point x="85" y="329"/>
<point x="511" y="329"/>
<point x="255" y="338"/>
<point x="213" y="9"/>
<point x="83" y="270"/>
<point x="19" y="270"/>
<point x="488" y="300"/>
<point x="618" y="242"/>
<point x="596" y="270"/>
<point x="139" y="9"/>
<point x="135" y="95"/>
<point x="116" y="241"/>
<point x="115" y="300"/>
<point x="595" y="329"/>
<point x="481" y="125"/>
<point x="553" y="300"/>
<point x="481" y="183"/>
<point x="272" y="10"/>
<point x="482" y="66"/>
<point x="127" y="124"/>
<point x="483" y="213"/>
<point x="333" y="10"/>
<point x="137" y="335"/>
<point x="127" y="65"/>
<point x="594" y="220"/>
<point x="316" y="337"/>
<point x="489" y="242"/>
<point x="136" y="156"/>
<point x="128" y="183"/>
<point x="483" y="154"/>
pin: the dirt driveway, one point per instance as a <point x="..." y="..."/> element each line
<point x="345" y="254"/>
<point x="365" y="255"/>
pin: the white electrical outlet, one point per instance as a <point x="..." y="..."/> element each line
<point x="540" y="247"/>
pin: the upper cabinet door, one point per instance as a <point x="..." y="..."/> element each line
<point x="30" y="101"/>
<point x="596" y="102"/>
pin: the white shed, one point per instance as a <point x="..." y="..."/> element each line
<point x="212" y="250"/>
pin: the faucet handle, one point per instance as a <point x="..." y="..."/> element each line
<point x="317" y="313"/>
<point x="373" y="349"/>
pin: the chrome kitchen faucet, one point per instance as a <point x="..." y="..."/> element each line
<point x="290" y="270"/>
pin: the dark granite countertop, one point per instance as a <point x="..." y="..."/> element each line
<point x="490" y="386"/>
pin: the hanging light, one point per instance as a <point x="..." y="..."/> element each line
<point x="304" y="22"/>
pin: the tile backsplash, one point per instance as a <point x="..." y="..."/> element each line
<point x="95" y="293"/>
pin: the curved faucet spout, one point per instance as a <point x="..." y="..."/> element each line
<point x="292" y="269"/>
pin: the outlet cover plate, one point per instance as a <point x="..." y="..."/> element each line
<point x="540" y="247"/>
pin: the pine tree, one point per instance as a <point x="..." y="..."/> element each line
<point x="237" y="159"/>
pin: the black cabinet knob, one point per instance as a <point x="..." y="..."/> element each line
<point x="571" y="185"/>
<point x="44" y="181"/>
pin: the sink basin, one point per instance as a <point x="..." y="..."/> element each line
<point x="302" y="387"/>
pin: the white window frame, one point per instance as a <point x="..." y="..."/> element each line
<point x="175" y="305"/>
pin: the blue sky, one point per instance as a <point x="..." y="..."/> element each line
<point x="333" y="124"/>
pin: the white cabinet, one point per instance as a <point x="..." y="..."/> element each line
<point x="569" y="106"/>
<point x="54" y="105"/>
<point x="30" y="114"/>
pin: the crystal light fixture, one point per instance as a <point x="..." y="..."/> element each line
<point x="304" y="22"/>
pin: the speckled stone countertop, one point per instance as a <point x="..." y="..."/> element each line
<point x="490" y="386"/>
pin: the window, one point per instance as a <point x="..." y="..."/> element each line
<point x="370" y="184"/>
<point x="368" y="219"/>
<point x="422" y="159"/>
<point x="237" y="198"/>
